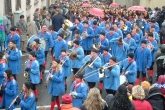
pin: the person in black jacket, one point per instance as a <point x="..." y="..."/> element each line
<point x="57" y="20"/>
<point x="120" y="101"/>
<point x="162" y="34"/>
<point x="156" y="99"/>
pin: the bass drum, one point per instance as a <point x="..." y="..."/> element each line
<point x="30" y="41"/>
<point x="123" y="80"/>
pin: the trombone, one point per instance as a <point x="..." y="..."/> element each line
<point x="90" y="66"/>
<point x="69" y="53"/>
<point x="101" y="70"/>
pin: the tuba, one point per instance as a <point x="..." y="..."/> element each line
<point x="65" y="29"/>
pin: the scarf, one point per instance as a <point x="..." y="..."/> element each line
<point x="77" y="84"/>
<point x="31" y="61"/>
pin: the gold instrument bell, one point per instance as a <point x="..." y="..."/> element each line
<point x="72" y="55"/>
<point x="26" y="75"/>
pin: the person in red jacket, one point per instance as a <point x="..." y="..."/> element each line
<point x="138" y="96"/>
<point x="67" y="103"/>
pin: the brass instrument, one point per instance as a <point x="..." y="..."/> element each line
<point x="90" y="66"/>
<point x="68" y="55"/>
<point x="71" y="56"/>
<point x="65" y="29"/>
<point x="83" y="35"/>
<point x="96" y="46"/>
<point x="150" y="46"/>
<point x="70" y="44"/>
<point x="26" y="74"/>
<point x="124" y="27"/>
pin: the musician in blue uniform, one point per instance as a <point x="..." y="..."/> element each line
<point x="44" y="34"/>
<point x="117" y="30"/>
<point x="124" y="28"/>
<point x="112" y="34"/>
<point x="153" y="47"/>
<point x="88" y="40"/>
<point x="77" y="25"/>
<point x="129" y="68"/>
<point x="66" y="65"/>
<point x="77" y="63"/>
<point x="94" y="61"/>
<point x="119" y="48"/>
<point x="13" y="36"/>
<point x="102" y="41"/>
<point x="104" y="22"/>
<point x="13" y="57"/>
<point x="27" y="101"/>
<point x="136" y="37"/>
<point x="141" y="23"/>
<point x="106" y="29"/>
<point x="152" y="23"/>
<point x="96" y="30"/>
<point x="77" y="36"/>
<point x="78" y="91"/>
<point x="32" y="68"/>
<point x="111" y="79"/>
<point x="40" y="55"/>
<point x="143" y="59"/>
<point x="59" y="44"/>
<point x="127" y="22"/>
<point x="131" y="43"/>
<point x="9" y="89"/>
<point x="155" y="34"/>
<point x="3" y="67"/>
<point x="56" y="79"/>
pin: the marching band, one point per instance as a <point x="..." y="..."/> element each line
<point x="99" y="51"/>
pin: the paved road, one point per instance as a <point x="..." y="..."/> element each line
<point x="44" y="98"/>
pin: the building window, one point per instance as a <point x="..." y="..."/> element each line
<point x="7" y="4"/>
<point x="28" y="4"/>
<point x="18" y="4"/>
<point x="36" y="2"/>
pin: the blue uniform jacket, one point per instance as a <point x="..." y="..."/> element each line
<point x="34" y="72"/>
<point x="10" y="93"/>
<point x="105" y="58"/>
<point x="131" y="43"/>
<point x="104" y="29"/>
<point x="56" y="86"/>
<point x="119" y="32"/>
<point x="136" y="37"/>
<point x="66" y="66"/>
<point x="40" y="55"/>
<point x="29" y="103"/>
<point x="109" y="36"/>
<point x="15" y="37"/>
<point x="155" y="49"/>
<point x="3" y="67"/>
<point x="104" y="44"/>
<point x="54" y="35"/>
<point x="88" y="41"/>
<point x="97" y="31"/>
<point x="102" y="24"/>
<point x="82" y="92"/>
<point x="148" y="26"/>
<point x="143" y="27"/>
<point x="156" y="36"/>
<point x="48" y="39"/>
<point x="111" y="78"/>
<point x="96" y="65"/>
<point x="125" y="31"/>
<point x="143" y="59"/>
<point x="129" y="25"/>
<point x="119" y="51"/>
<point x="132" y="70"/>
<point x="58" y="46"/>
<point x="78" y="62"/>
<point x="79" y="27"/>
<point x="14" y="60"/>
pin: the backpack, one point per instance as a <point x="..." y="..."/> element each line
<point x="2" y="31"/>
<point x="162" y="62"/>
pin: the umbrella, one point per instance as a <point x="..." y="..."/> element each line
<point x="114" y="5"/>
<point x="86" y="5"/>
<point x="136" y="8"/>
<point x="96" y="12"/>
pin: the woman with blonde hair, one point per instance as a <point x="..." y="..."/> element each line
<point x="56" y="87"/>
<point x="139" y="101"/>
<point x="94" y="101"/>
